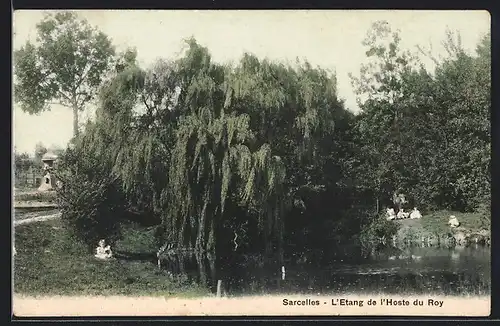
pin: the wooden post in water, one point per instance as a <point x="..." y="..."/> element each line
<point x="219" y="288"/>
<point x="282" y="279"/>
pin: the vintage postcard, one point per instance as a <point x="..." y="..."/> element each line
<point x="251" y="163"/>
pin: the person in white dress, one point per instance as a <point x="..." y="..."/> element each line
<point x="453" y="221"/>
<point x="391" y="214"/>
<point x="415" y="213"/>
<point x="103" y="251"/>
<point x="402" y="214"/>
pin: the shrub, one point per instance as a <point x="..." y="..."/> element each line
<point x="91" y="200"/>
<point x="484" y="211"/>
<point x="377" y="231"/>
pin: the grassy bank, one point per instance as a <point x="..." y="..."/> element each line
<point x="50" y="262"/>
<point x="35" y="196"/>
<point x="434" y="229"/>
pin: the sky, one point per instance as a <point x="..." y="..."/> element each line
<point x="330" y="39"/>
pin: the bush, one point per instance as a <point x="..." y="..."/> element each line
<point x="91" y="200"/>
<point x="484" y="211"/>
<point x="379" y="230"/>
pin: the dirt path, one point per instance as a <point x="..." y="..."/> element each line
<point x="246" y="306"/>
<point x="37" y="219"/>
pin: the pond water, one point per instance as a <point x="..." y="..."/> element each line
<point x="414" y="270"/>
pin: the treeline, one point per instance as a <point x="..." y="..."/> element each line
<point x="426" y="132"/>
<point x="259" y="155"/>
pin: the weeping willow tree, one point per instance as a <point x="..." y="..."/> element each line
<point x="216" y="161"/>
<point x="293" y="109"/>
<point x="244" y="137"/>
<point x="210" y="161"/>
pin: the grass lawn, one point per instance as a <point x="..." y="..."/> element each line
<point x="35" y="196"/>
<point x="50" y="262"/>
<point x="435" y="225"/>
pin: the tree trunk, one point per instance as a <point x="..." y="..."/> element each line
<point x="211" y="263"/>
<point x="200" y="239"/>
<point x="281" y="249"/>
<point x="75" y="121"/>
<point x="182" y="231"/>
<point x="211" y="236"/>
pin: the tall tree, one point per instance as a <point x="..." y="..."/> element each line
<point x="65" y="66"/>
<point x="381" y="94"/>
<point x="426" y="132"/>
<point x="55" y="149"/>
<point x="40" y="151"/>
<point x="463" y="83"/>
<point x="22" y="162"/>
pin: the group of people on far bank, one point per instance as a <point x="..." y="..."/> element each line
<point x="397" y="214"/>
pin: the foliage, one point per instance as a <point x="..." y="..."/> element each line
<point x="202" y="145"/>
<point x="90" y="200"/>
<point x="40" y="151"/>
<point x="484" y="212"/>
<point x="425" y="133"/>
<point x="66" y="65"/>
<point x="259" y="154"/>
<point x="378" y="231"/>
<point x="22" y="163"/>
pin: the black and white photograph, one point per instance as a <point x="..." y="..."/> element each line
<point x="251" y="163"/>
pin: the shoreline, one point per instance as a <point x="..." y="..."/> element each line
<point x="266" y="305"/>
<point x="432" y="230"/>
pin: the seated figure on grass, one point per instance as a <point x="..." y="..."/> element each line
<point x="103" y="251"/>
<point x="391" y="214"/>
<point x="415" y="213"/>
<point x="453" y="221"/>
<point x="402" y="214"/>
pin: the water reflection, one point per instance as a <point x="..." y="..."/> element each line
<point x="418" y="270"/>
